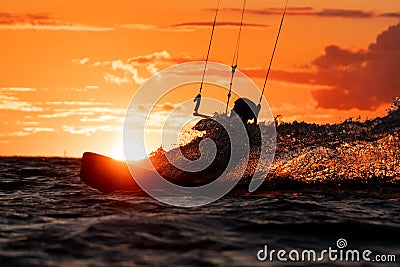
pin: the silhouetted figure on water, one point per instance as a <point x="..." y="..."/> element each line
<point x="246" y="110"/>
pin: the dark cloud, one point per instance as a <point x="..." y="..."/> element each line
<point x="289" y="76"/>
<point x="220" y="24"/>
<point x="346" y="13"/>
<point x="32" y="19"/>
<point x="42" y="21"/>
<point x="269" y="11"/>
<point x="308" y="11"/>
<point x="391" y="14"/>
<point x="336" y="57"/>
<point x="362" y="79"/>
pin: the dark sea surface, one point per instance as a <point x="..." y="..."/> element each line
<point x="49" y="218"/>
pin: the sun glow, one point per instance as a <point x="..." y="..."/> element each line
<point x="119" y="154"/>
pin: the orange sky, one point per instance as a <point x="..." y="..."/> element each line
<point x="69" y="68"/>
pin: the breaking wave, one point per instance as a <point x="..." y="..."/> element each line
<point x="351" y="154"/>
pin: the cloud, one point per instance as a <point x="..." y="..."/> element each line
<point x="150" y="58"/>
<point x="17" y="89"/>
<point x="49" y="116"/>
<point x="34" y="130"/>
<point x="15" y="104"/>
<point x="362" y="79"/>
<point x="102" y="118"/>
<point x="125" y="71"/>
<point x="42" y="21"/>
<point x="77" y="103"/>
<point x="344" y="13"/>
<point x="80" y="61"/>
<point x="308" y="11"/>
<point x="193" y="25"/>
<point x="15" y="134"/>
<point x="152" y="27"/>
<point x="158" y="57"/>
<point x="85" y="88"/>
<point x="155" y="58"/>
<point x="91" y="87"/>
<point x="114" y="79"/>
<point x="30" y="123"/>
<point x="82" y="111"/>
<point x="391" y="14"/>
<point x="143" y="27"/>
<point x="189" y="26"/>
<point x="90" y="129"/>
<point x="28" y="131"/>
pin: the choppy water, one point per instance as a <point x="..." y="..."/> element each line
<point x="49" y="218"/>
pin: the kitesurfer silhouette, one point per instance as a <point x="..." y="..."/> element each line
<point x="246" y="110"/>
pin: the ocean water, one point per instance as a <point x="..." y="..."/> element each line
<point x="50" y="218"/>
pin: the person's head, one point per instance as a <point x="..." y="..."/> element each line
<point x="245" y="109"/>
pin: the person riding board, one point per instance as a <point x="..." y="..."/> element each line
<point x="246" y="110"/>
